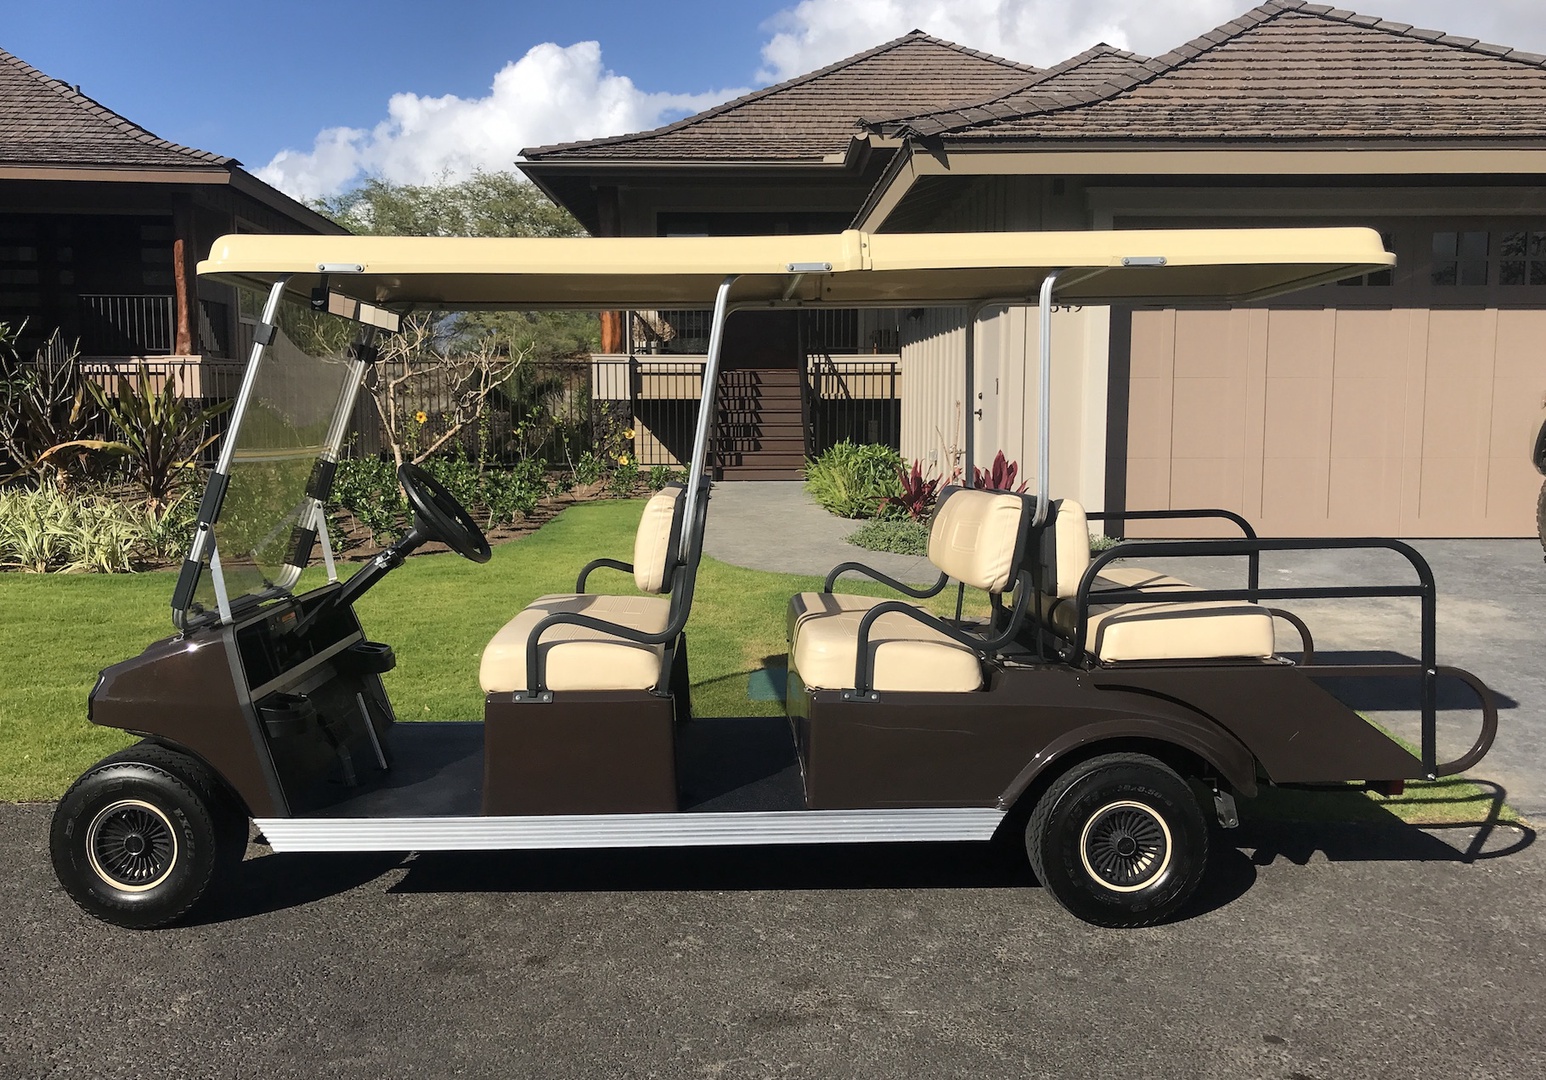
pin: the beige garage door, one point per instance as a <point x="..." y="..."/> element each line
<point x="1399" y="422"/>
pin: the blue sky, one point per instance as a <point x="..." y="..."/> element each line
<point x="314" y="95"/>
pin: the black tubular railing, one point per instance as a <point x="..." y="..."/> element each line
<point x="1253" y="559"/>
<point x="1427" y="670"/>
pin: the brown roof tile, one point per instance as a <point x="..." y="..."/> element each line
<point x="1289" y="70"/>
<point x="47" y="122"/>
<point x="814" y="115"/>
<point x="1093" y="74"/>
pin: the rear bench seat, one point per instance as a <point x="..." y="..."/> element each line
<point x="1214" y="630"/>
<point x="975" y="537"/>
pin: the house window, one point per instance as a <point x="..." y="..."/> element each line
<point x="1460" y="258"/>
<point x="1522" y="258"/>
<point x="1379" y="277"/>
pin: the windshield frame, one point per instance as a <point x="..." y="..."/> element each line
<point x="309" y="515"/>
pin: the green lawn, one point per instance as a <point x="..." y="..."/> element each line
<point x="438" y="612"/>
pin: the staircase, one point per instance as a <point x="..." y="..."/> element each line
<point x="759" y="432"/>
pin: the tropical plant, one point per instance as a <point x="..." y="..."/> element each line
<point x="999" y="478"/>
<point x="854" y="480"/>
<point x="44" y="408"/>
<point x="918" y="496"/>
<point x="661" y="475"/>
<point x="161" y="434"/>
<point x="49" y="530"/>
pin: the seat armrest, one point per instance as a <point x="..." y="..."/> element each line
<point x="868" y="571"/>
<point x="600" y="564"/>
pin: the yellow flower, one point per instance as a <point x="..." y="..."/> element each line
<point x="420" y="417"/>
<point x="622" y="459"/>
<point x="628" y="434"/>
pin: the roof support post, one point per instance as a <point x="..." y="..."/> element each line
<point x="1044" y="401"/>
<point x="706" y="404"/>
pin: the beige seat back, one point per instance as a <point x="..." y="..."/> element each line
<point x="975" y="537"/>
<point x="1064" y="553"/>
<point x="655" y="550"/>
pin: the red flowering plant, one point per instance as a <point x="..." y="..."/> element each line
<point x="999" y="478"/>
<point x="916" y="501"/>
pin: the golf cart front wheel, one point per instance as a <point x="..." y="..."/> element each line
<point x="137" y="840"/>
<point x="1119" y="840"/>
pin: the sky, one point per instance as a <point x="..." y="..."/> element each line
<point x="313" y="97"/>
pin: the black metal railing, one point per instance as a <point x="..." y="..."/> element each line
<point x="126" y="325"/>
<point x="835" y="332"/>
<point x="853" y="399"/>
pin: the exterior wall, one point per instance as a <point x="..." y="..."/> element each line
<point x="1402" y="421"/>
<point x="940" y="422"/>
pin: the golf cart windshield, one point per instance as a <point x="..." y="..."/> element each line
<point x="287" y="429"/>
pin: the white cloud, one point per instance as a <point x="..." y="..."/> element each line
<point x="552" y="94"/>
<point x="814" y="33"/>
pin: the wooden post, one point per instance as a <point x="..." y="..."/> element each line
<point x="609" y="223"/>
<point x="185" y="287"/>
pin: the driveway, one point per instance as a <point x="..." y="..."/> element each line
<point x="1384" y="949"/>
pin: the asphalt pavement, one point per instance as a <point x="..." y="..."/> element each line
<point x="1315" y="952"/>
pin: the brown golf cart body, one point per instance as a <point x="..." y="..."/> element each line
<point x="900" y="726"/>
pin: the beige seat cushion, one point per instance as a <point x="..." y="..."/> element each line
<point x="654" y="544"/>
<point x="809" y="605"/>
<point x="1181" y="631"/>
<point x="908" y="655"/>
<point x="578" y="657"/>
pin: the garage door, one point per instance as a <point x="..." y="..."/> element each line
<point x="1410" y="422"/>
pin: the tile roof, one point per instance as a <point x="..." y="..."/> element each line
<point x="1094" y="73"/>
<point x="47" y="122"/>
<point x="1285" y="70"/>
<point x="815" y="115"/>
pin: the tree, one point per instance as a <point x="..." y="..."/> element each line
<point x="485" y="204"/>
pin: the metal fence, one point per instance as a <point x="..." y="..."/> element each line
<point x="830" y="332"/>
<point x="857" y="400"/>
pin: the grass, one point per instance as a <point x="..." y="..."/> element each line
<point x="438" y="612"/>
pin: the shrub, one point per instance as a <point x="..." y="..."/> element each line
<point x="367" y="488"/>
<point x="624" y="478"/>
<point x="50" y="531"/>
<point x="661" y="475"/>
<point x="916" y="502"/>
<point x="902" y="536"/>
<point x="999" y="478"/>
<point x="587" y="468"/>
<point x="854" y="480"/>
<point x="514" y="492"/>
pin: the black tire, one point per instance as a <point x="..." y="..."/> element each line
<point x="141" y="837"/>
<point x="1540" y="515"/>
<point x="1119" y="840"/>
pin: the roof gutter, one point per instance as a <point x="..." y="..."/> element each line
<point x="909" y="166"/>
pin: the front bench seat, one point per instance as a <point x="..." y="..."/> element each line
<point x="1215" y="630"/>
<point x="977" y="537"/>
<point x="582" y="657"/>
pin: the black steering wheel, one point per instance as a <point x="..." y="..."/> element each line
<point x="440" y="515"/>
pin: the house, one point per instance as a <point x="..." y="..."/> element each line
<point x="1402" y="404"/>
<point x="784" y="159"/>
<point x="101" y="227"/>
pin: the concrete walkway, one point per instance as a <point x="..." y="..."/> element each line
<point x="1491" y="615"/>
<point x="774" y="525"/>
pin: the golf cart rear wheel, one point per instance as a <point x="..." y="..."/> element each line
<point x="1119" y="840"/>
<point x="138" y="840"/>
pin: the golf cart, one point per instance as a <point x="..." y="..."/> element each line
<point x="1108" y="711"/>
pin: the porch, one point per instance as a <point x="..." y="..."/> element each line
<point x="807" y="383"/>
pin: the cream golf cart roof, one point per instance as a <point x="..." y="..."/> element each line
<point x="849" y="269"/>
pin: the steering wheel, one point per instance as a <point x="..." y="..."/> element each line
<point x="441" y="515"/>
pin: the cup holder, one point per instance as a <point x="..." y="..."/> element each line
<point x="287" y="714"/>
